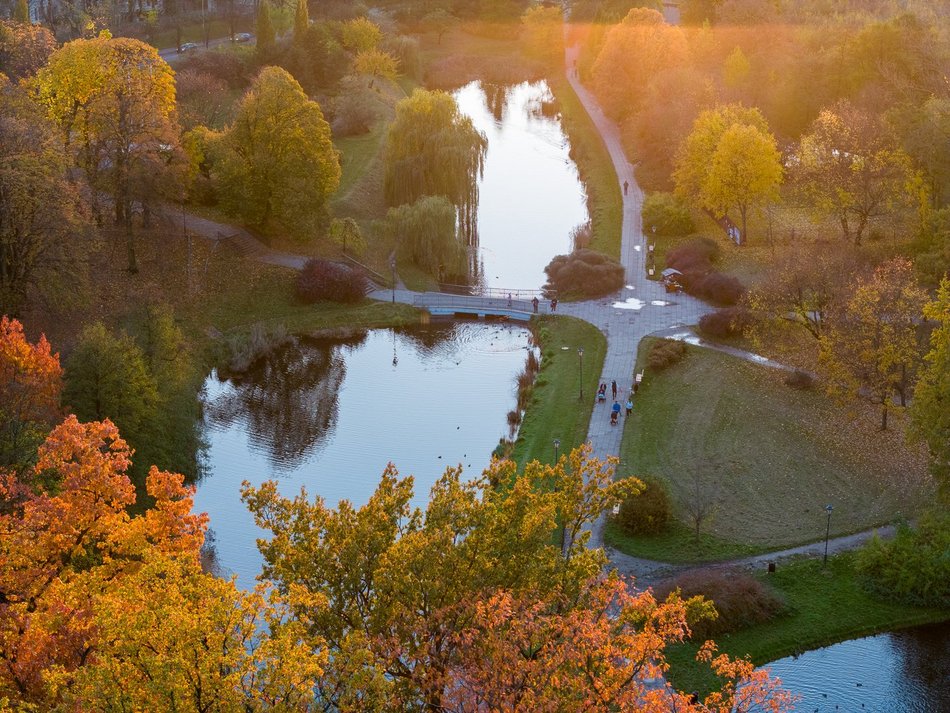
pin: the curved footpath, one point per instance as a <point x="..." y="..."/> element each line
<point x="642" y="308"/>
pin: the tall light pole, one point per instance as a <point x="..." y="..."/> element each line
<point x="557" y="444"/>
<point x="828" y="510"/>
<point x="392" y="264"/>
<point x="580" y="359"/>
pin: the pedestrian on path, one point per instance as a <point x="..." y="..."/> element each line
<point x="613" y="388"/>
<point x="509" y="299"/>
<point x="629" y="405"/>
<point x="625" y="187"/>
<point x="534" y="303"/>
<point x="554" y="304"/>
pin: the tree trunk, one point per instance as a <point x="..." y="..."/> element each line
<point x="884" y="416"/>
<point x="743" y="209"/>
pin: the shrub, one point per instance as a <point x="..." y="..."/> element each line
<point x="665" y="353"/>
<point x="647" y="513"/>
<point x="232" y="66"/>
<point x="801" y="380"/>
<point x="585" y="273"/>
<point x="914" y="567"/>
<point x="331" y="281"/>
<point x="697" y="255"/>
<point x="667" y="213"/>
<point x="724" y="323"/>
<point x="406" y="50"/>
<point x="715" y="287"/>
<point x="740" y="599"/>
<point x="355" y="108"/>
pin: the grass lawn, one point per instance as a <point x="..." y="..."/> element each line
<point x="604" y="202"/>
<point x="769" y="456"/>
<point x="824" y="607"/>
<point x="555" y="410"/>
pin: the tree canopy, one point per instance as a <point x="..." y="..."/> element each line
<point x="434" y="150"/>
<point x="277" y="163"/>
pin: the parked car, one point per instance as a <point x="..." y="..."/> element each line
<point x="188" y="47"/>
<point x="243" y="37"/>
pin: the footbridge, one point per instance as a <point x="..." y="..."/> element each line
<point x="500" y="306"/>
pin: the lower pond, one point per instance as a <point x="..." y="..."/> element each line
<point x="904" y="671"/>
<point x="329" y="414"/>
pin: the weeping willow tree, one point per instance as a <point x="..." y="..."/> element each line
<point x="433" y="150"/>
<point x="426" y="229"/>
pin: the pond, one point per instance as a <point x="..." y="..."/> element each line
<point x="904" y="671"/>
<point x="330" y="414"/>
<point x="531" y="196"/>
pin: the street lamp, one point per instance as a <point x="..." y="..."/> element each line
<point x="828" y="510"/>
<point x="580" y="359"/>
<point x="392" y="265"/>
<point x="557" y="444"/>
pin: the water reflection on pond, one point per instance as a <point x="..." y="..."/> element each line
<point x="330" y="414"/>
<point x="531" y="196"/>
<point x="899" y="672"/>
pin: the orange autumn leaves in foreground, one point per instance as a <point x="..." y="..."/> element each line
<point x="101" y="609"/>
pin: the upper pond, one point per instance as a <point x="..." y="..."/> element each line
<point x="531" y="196"/>
<point x="330" y="414"/>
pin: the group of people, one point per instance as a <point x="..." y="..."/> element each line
<point x="616" y="408"/>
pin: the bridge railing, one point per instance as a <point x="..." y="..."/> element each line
<point x="491" y="292"/>
<point x="495" y="304"/>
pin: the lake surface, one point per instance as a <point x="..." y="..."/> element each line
<point x="531" y="196"/>
<point x="330" y="414"/>
<point x="904" y="671"/>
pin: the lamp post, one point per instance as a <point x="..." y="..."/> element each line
<point x="828" y="510"/>
<point x="580" y="359"/>
<point x="392" y="265"/>
<point x="557" y="444"/>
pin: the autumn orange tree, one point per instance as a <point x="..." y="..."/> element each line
<point x="31" y="381"/>
<point x="471" y="605"/>
<point x="100" y="610"/>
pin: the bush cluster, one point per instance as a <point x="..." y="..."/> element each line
<point x="665" y="353"/>
<point x="914" y="567"/>
<point x="695" y="259"/>
<point x="740" y="599"/>
<point x="724" y="323"/>
<point x="330" y="281"/>
<point x="667" y="213"/>
<point x="799" y="379"/>
<point x="647" y="513"/>
<point x="584" y="273"/>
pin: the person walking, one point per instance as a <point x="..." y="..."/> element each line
<point x="629" y="405"/>
<point x="509" y="299"/>
<point x="625" y="187"/>
<point x="613" y="389"/>
<point x="534" y="303"/>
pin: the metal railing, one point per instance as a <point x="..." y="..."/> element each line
<point x="491" y="292"/>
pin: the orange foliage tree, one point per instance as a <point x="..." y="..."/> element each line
<point x="31" y="380"/>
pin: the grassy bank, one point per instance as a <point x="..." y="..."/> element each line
<point x="769" y="458"/>
<point x="824" y="607"/>
<point x="556" y="410"/>
<point x="604" y="202"/>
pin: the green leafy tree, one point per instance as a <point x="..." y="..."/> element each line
<point x="746" y="170"/>
<point x="277" y="162"/>
<point x="301" y="22"/>
<point x="266" y="34"/>
<point x="107" y="376"/>
<point x="931" y="406"/>
<point x="850" y="167"/>
<point x="543" y="32"/>
<point x="434" y="150"/>
<point x="376" y="64"/>
<point x="439" y="21"/>
<point x="346" y="233"/>
<point x="735" y="70"/>
<point x="426" y="232"/>
<point x="872" y="345"/>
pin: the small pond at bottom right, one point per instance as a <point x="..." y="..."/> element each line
<point x="905" y="671"/>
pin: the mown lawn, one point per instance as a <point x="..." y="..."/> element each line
<point x="556" y="410"/>
<point x="824" y="606"/>
<point x="770" y="457"/>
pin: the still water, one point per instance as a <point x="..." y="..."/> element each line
<point x="531" y="196"/>
<point x="904" y="671"/>
<point x="330" y="414"/>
